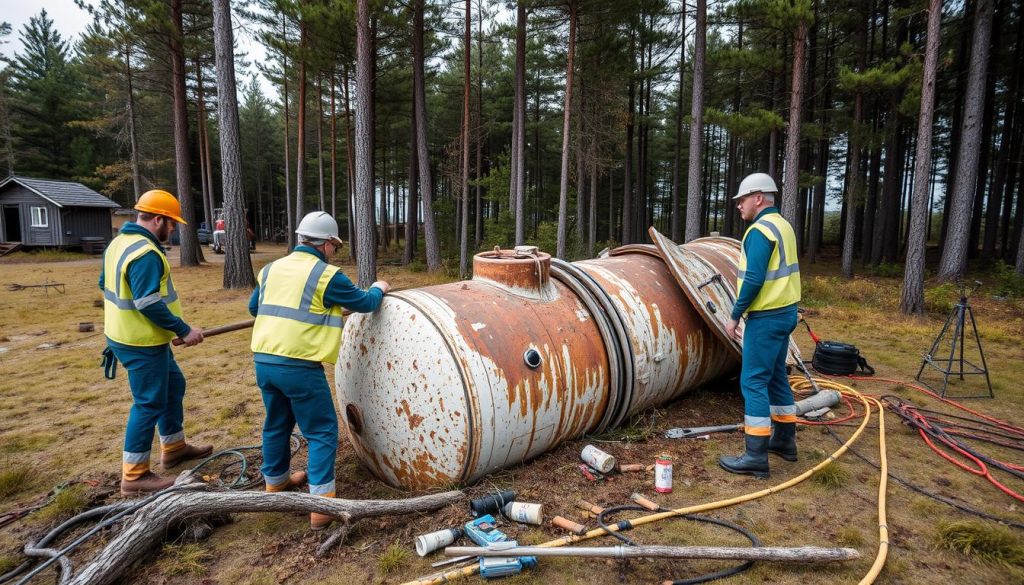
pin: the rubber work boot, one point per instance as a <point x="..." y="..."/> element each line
<point x="184" y="454"/>
<point x="149" y="482"/>
<point x="753" y="462"/>
<point x="320" y="521"/>
<point x="296" y="479"/>
<point x="783" y="440"/>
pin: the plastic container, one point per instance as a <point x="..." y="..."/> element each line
<point x="428" y="543"/>
<point x="524" y="512"/>
<point x="663" y="474"/>
<point x="597" y="459"/>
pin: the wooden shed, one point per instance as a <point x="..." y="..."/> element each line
<point x="41" y="212"/>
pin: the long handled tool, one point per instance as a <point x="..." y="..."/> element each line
<point x="249" y="323"/>
<point x="233" y="327"/>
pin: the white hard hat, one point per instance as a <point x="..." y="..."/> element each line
<point x="756" y="183"/>
<point x="319" y="225"/>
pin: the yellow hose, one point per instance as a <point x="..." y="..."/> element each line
<point x="797" y="382"/>
<point x="801" y="383"/>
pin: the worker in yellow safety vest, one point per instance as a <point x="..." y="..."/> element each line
<point x="767" y="292"/>
<point x="141" y="315"/>
<point x="298" y="305"/>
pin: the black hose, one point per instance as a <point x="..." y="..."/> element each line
<point x="124" y="509"/>
<point x="915" y="488"/>
<point x="626" y="525"/>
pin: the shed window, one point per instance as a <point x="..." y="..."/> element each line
<point x="39" y="217"/>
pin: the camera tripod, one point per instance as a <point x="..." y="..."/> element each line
<point x="957" y="365"/>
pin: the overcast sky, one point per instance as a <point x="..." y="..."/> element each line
<point x="70" y="21"/>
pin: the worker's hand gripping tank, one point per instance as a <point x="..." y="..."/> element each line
<point x="447" y="383"/>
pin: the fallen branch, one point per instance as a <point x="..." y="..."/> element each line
<point x="147" y="526"/>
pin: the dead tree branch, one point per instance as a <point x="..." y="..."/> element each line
<point x="147" y="527"/>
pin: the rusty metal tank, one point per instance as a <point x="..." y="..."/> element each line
<point x="445" y="384"/>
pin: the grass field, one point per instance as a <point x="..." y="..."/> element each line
<point x="60" y="420"/>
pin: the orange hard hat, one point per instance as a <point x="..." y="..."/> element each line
<point x="160" y="202"/>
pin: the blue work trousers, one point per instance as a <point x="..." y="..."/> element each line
<point x="158" y="392"/>
<point x="763" y="379"/>
<point x="298" y="394"/>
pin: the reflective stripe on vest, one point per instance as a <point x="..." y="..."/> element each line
<point x="123" y="321"/>
<point x="782" y="276"/>
<point x="291" y="320"/>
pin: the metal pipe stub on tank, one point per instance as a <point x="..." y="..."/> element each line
<point x="445" y="384"/>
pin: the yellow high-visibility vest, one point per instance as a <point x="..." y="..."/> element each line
<point x="122" y="320"/>
<point x="291" y="320"/>
<point x="782" y="278"/>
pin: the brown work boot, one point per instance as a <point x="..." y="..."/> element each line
<point x="321" y="521"/>
<point x="184" y="454"/>
<point x="296" y="479"/>
<point x="149" y="482"/>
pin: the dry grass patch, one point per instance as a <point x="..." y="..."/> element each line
<point x="392" y="559"/>
<point x="983" y="541"/>
<point x="14" y="480"/>
<point x="185" y="559"/>
<point x="65" y="504"/>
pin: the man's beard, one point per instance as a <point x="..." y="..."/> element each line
<point x="164" y="233"/>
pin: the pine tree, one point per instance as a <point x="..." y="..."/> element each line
<point x="44" y="96"/>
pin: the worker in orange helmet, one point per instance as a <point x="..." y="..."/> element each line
<point x="141" y="316"/>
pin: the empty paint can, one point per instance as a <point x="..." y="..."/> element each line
<point x="597" y="459"/>
<point x="428" y="543"/>
<point x="524" y="512"/>
<point x="663" y="474"/>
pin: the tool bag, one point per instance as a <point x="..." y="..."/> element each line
<point x="836" y="358"/>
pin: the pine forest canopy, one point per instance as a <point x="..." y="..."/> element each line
<point x="441" y="129"/>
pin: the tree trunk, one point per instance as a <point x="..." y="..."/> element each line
<point x="133" y="142"/>
<point x="592" y="208"/>
<point x="627" y="183"/>
<point x="411" y="206"/>
<point x="420" y="107"/>
<point x="563" y="183"/>
<point x="237" y="264"/>
<point x="954" y="255"/>
<point x="290" y="228"/>
<point x="518" y="197"/>
<point x="912" y="294"/>
<point x="364" y="208"/>
<point x="854" y="188"/>
<point x="334" y="151"/>
<point x="694" y="194"/>
<point x="320" y="139"/>
<point x="350" y="169"/>
<point x="466" y="81"/>
<point x="300" y="129"/>
<point x="479" y="125"/>
<point x="676" y="226"/>
<point x="205" y="171"/>
<point x="191" y="252"/>
<point x="791" y="181"/>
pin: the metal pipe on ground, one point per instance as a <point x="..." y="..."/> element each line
<point x="801" y="554"/>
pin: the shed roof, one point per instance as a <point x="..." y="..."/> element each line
<point x="62" y="193"/>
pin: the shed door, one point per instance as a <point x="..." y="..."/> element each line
<point x="11" y="224"/>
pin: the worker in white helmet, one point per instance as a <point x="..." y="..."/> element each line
<point x="767" y="292"/>
<point x="298" y="306"/>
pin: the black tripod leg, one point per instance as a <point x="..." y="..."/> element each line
<point x="984" y="365"/>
